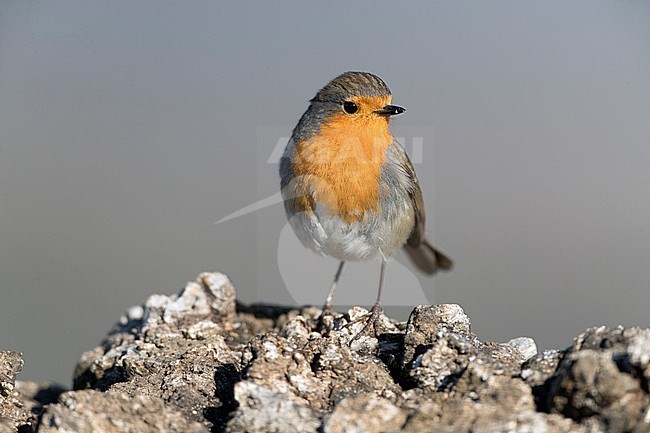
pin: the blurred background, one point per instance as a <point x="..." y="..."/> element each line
<point x="127" y="129"/>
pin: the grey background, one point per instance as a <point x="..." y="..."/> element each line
<point x="128" y="128"/>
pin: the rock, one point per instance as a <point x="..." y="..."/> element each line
<point x="524" y="345"/>
<point x="199" y="362"/>
<point x="603" y="380"/>
<point x="365" y="413"/>
<point x="12" y="409"/>
<point x="426" y="321"/>
<point x="178" y="348"/>
<point x="91" y="411"/>
<point x="21" y="403"/>
<point x="442" y="353"/>
<point x="212" y="297"/>
<point x="265" y="410"/>
<point x="34" y="398"/>
<point x="463" y="416"/>
<point x="537" y="369"/>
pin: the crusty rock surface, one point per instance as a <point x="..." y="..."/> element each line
<point x="12" y="410"/>
<point x="94" y="411"/>
<point x="199" y="362"/>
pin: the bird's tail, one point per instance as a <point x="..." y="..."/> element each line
<point x="428" y="259"/>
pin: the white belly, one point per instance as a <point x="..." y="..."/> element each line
<point x="355" y="241"/>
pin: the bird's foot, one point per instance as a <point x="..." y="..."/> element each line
<point x="372" y="321"/>
<point x="326" y="321"/>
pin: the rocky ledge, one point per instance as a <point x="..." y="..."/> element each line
<point x="200" y="362"/>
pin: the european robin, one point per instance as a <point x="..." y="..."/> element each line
<point x="349" y="189"/>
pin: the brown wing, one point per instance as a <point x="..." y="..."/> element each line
<point x="421" y="252"/>
<point x="417" y="235"/>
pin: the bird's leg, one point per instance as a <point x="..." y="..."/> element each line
<point x="330" y="295"/>
<point x="376" y="310"/>
<point x="327" y="308"/>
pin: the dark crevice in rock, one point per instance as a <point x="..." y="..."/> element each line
<point x="313" y="365"/>
<point x="408" y="382"/>
<point x="389" y="352"/>
<point x="627" y="365"/>
<point x="263" y="311"/>
<point x="545" y="369"/>
<point x="225" y="378"/>
<point x="110" y="377"/>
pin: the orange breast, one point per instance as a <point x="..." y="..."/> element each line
<point x="341" y="166"/>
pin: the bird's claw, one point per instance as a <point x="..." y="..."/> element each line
<point x="372" y="320"/>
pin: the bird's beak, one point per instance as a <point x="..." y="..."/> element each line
<point x="390" y="110"/>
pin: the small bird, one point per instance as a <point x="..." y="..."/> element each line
<point x="349" y="188"/>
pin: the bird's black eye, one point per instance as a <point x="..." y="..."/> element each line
<point x="350" y="107"/>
